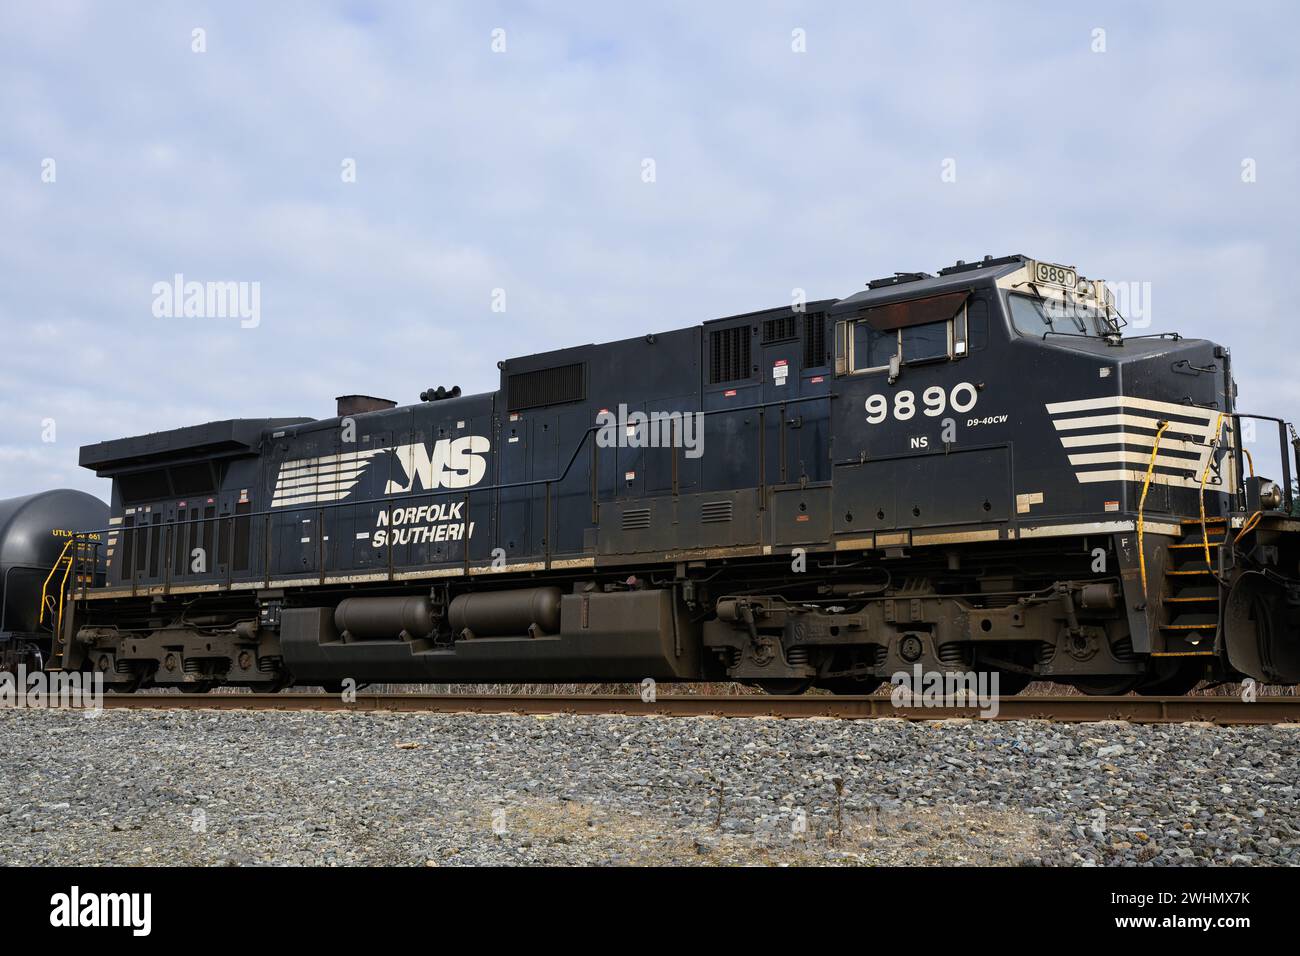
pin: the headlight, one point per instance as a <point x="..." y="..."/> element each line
<point x="1270" y="495"/>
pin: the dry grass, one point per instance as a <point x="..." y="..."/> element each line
<point x="717" y="689"/>
<point x="724" y="688"/>
<point x="1204" y="690"/>
<point x="728" y="688"/>
<point x="946" y="836"/>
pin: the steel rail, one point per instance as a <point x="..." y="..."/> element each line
<point x="1143" y="710"/>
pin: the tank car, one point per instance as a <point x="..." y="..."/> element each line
<point x="36" y="538"/>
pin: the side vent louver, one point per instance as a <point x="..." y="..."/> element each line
<point x="715" y="511"/>
<point x="636" y="519"/>
<point x="546" y="386"/>
<point x="729" y="354"/>
<point x="778" y="330"/>
<point x="814" y="340"/>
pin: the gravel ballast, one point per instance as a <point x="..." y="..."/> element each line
<point x="230" y="787"/>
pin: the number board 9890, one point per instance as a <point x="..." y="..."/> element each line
<point x="934" y="402"/>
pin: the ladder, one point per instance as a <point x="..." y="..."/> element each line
<point x="1190" y="608"/>
<point x="57" y="591"/>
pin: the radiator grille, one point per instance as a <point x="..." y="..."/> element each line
<point x="814" y="340"/>
<point x="778" y="330"/>
<point x="546" y="386"/>
<point x="729" y="355"/>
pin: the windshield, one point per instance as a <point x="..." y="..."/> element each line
<point x="1037" y="316"/>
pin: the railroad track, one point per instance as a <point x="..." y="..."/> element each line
<point x="1146" y="710"/>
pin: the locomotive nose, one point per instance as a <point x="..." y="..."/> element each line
<point x="1190" y="372"/>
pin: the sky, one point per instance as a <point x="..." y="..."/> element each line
<point x="388" y="176"/>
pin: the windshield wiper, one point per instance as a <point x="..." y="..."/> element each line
<point x="1073" y="335"/>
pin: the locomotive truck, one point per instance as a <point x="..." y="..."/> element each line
<point x="972" y="470"/>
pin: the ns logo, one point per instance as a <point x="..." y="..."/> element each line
<point x="450" y="463"/>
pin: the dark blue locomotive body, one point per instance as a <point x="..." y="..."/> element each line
<point x="971" y="469"/>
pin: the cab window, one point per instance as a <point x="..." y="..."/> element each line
<point x="1033" y="316"/>
<point x="924" y="343"/>
<point x="1028" y="316"/>
<point x="871" y="349"/>
<point x="910" y="332"/>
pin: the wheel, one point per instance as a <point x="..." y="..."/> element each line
<point x="137" y="679"/>
<point x="1107" y="686"/>
<point x="199" y="687"/>
<point x="789" y="687"/>
<point x="1174" y="680"/>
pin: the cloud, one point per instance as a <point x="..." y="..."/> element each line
<point x="522" y="171"/>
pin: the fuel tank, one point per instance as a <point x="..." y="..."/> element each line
<point x="33" y="532"/>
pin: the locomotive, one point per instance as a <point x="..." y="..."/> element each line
<point x="972" y="470"/>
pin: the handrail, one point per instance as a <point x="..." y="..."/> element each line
<point x="1282" y="426"/>
<point x="1214" y="444"/>
<point x="46" y="586"/>
<point x="1146" y="486"/>
<point x="174" y="527"/>
<point x="78" y="544"/>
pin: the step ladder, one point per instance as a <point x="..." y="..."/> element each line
<point x="1189" y="618"/>
<point x="59" y="588"/>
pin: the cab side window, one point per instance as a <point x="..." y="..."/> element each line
<point x="872" y="348"/>
<point x="933" y="328"/>
<point x="925" y="343"/>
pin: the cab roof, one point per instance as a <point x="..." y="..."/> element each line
<point x="912" y="285"/>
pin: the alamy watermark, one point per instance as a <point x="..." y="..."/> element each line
<point x="208" y="300"/>
<point x="46" y="690"/>
<point x="922" y="688"/>
<point x="133" y="911"/>
<point x="654" y="430"/>
<point x="1129" y="300"/>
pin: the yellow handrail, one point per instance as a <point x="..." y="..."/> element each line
<point x="1214" y="443"/>
<point x="66" y="561"/>
<point x="46" y="586"/>
<point x="1146" y="486"/>
<point x="1249" y="525"/>
<point x="1251" y="522"/>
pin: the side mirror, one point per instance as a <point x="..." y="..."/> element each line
<point x="895" y="367"/>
